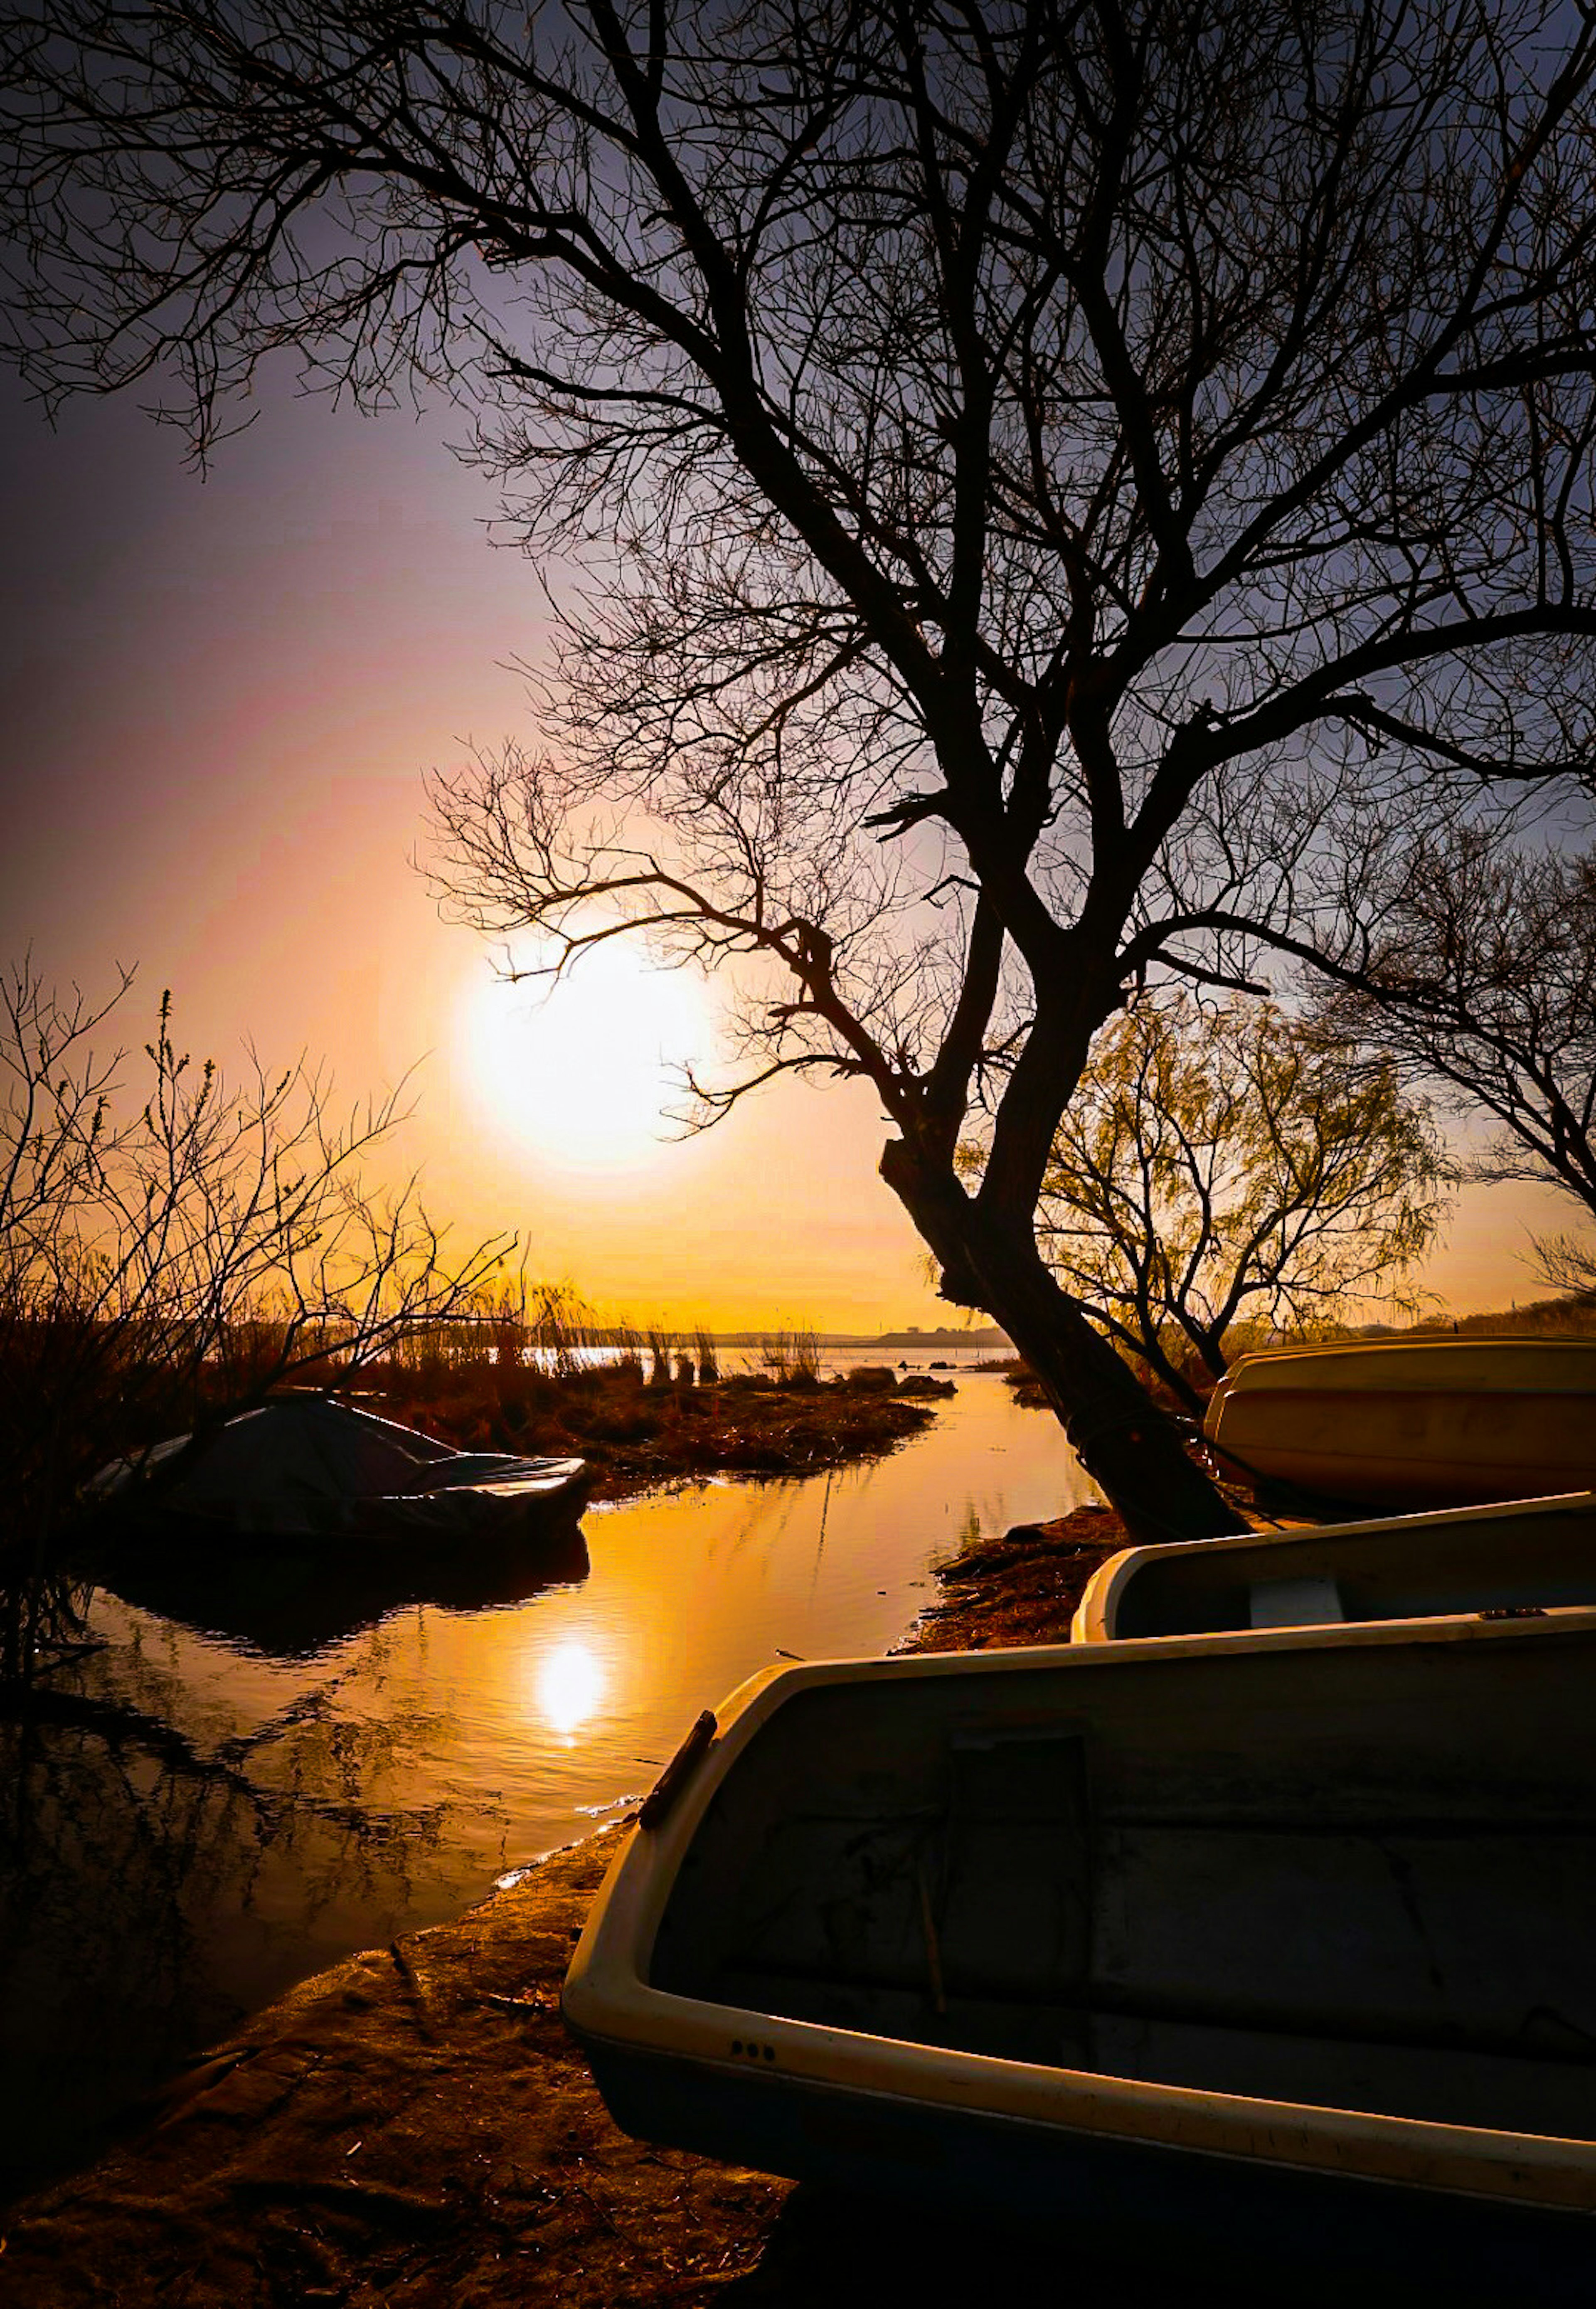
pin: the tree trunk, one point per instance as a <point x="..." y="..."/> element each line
<point x="1124" y="1443"/>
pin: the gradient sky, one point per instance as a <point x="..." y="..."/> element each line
<point x="218" y="700"/>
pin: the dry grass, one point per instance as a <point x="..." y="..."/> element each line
<point x="534" y="1371"/>
<point x="636" y="1434"/>
<point x="792" y="1358"/>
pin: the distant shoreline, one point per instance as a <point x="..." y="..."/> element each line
<point x="989" y="1337"/>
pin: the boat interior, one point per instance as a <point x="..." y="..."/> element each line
<point x="1499" y="1559"/>
<point x="1355" y="1876"/>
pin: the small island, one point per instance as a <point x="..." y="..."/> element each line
<point x="634" y="1433"/>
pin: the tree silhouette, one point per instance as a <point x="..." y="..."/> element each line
<point x="1473" y="968"/>
<point x="1039" y="470"/>
<point x="1470" y="965"/>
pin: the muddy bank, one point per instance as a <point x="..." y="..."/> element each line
<point x="1022" y="1588"/>
<point x="415" y="2127"/>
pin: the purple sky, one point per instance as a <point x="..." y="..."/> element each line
<point x="219" y="701"/>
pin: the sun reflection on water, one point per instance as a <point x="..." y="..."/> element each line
<point x="569" y="1685"/>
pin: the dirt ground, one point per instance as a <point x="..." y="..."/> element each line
<point x="1022" y="1588"/>
<point x="415" y="2127"/>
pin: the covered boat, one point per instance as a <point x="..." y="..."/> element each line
<point x="1414" y="1423"/>
<point x="1521" y="1557"/>
<point x="1252" y="1940"/>
<point x="301" y="1466"/>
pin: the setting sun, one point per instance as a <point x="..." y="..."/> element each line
<point x="582" y="1071"/>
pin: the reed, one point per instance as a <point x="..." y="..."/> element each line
<point x="565" y="1332"/>
<point x="792" y="1358"/>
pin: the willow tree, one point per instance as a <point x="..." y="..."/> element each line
<point x="1225" y="1165"/>
<point x="1025" y="458"/>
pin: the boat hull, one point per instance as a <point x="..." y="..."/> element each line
<point x="515" y="1513"/>
<point x="1094" y="2191"/>
<point x="1271" y="1923"/>
<point x="1414" y="1424"/>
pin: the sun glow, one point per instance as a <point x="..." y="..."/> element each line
<point x="569" y="1686"/>
<point x="583" y="1070"/>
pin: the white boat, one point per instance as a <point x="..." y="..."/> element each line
<point x="1277" y="1940"/>
<point x="1413" y="1422"/>
<point x="1525" y="1555"/>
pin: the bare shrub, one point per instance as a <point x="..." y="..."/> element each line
<point x="170" y="1252"/>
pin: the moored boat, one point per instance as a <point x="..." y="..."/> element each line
<point x="1414" y="1423"/>
<point x="1523" y="1556"/>
<point x="1230" y="1936"/>
<point x="302" y="1467"/>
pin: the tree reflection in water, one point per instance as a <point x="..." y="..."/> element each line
<point x="292" y="1602"/>
<point x="165" y="1867"/>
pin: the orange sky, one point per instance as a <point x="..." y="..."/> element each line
<point x="218" y="700"/>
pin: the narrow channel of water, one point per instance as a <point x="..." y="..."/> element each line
<point x="198" y="1822"/>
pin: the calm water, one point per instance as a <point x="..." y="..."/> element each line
<point x="201" y="1820"/>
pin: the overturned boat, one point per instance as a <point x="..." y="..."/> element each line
<point x="1413" y="1422"/>
<point x="1243" y="1939"/>
<point x="1520" y="1557"/>
<point x="303" y="1468"/>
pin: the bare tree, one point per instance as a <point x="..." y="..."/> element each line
<point x="1473" y="967"/>
<point x="1225" y="1165"/>
<point x="165" y="1267"/>
<point x="1031" y="462"/>
<point x="1470" y="962"/>
<point x="1568" y="1263"/>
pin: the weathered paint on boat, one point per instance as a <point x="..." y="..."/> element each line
<point x="1414" y="1423"/>
<point x="1263" y="1926"/>
<point x="1517" y="1557"/>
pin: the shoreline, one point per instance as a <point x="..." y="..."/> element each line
<point x="414" y="2126"/>
<point x="637" y="1438"/>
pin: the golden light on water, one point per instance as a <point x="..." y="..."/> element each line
<point x="568" y="1685"/>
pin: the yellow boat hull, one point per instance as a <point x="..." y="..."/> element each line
<point x="1432" y="1422"/>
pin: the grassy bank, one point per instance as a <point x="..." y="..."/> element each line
<point x="635" y="1434"/>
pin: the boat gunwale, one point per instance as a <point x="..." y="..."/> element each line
<point x="608" y="2000"/>
<point x="1094" y="1615"/>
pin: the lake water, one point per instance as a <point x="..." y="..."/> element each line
<point x="201" y="1820"/>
